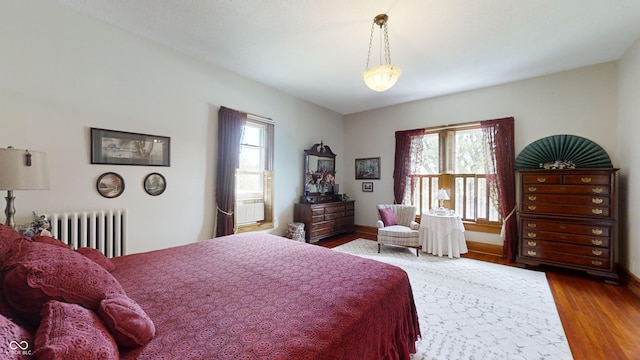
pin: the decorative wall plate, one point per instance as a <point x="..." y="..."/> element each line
<point x="563" y="151"/>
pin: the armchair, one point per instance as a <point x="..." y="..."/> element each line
<point x="397" y="226"/>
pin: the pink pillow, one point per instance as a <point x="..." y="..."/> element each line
<point x="69" y="331"/>
<point x="7" y="236"/>
<point x="129" y="324"/>
<point x="388" y="217"/>
<point x="98" y="257"/>
<point x="49" y="240"/>
<point x="35" y="273"/>
<point x="15" y="341"/>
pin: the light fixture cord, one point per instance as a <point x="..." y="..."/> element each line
<point x="387" y="50"/>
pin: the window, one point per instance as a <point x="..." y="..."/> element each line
<point x="451" y="158"/>
<point x="254" y="177"/>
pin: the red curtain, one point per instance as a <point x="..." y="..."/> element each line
<point x="500" y="170"/>
<point x="230" y="126"/>
<point x="402" y="164"/>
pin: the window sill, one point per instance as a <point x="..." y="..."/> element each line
<point x="487" y="228"/>
<point x="255" y="227"/>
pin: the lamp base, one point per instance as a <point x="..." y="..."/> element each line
<point x="10" y="210"/>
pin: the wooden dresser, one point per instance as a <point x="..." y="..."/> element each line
<point x="325" y="219"/>
<point x="568" y="219"/>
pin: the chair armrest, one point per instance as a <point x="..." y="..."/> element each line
<point x="380" y="224"/>
<point x="414" y="225"/>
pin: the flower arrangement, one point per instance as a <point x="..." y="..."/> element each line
<point x="558" y="164"/>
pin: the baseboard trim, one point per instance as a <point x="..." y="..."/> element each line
<point x="484" y="248"/>
<point x="631" y="281"/>
<point x="370" y="230"/>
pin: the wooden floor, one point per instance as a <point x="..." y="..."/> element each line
<point x="601" y="321"/>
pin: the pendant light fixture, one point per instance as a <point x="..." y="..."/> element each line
<point x="384" y="76"/>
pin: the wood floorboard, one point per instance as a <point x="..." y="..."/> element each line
<point x="601" y="321"/>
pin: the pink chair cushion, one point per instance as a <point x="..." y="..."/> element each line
<point x="387" y="216"/>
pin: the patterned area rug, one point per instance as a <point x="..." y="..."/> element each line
<point x="471" y="309"/>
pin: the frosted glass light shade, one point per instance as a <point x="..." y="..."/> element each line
<point x="381" y="78"/>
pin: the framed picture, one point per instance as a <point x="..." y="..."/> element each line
<point x="110" y="185"/>
<point x="125" y="148"/>
<point x="367" y="186"/>
<point x="368" y="168"/>
<point x="154" y="184"/>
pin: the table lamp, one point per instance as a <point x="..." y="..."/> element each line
<point x="442" y="196"/>
<point x="21" y="170"/>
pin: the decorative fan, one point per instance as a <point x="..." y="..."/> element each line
<point x="563" y="151"/>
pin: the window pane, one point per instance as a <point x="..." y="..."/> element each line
<point x="248" y="183"/>
<point x="252" y="135"/>
<point x="469" y="152"/>
<point x="425" y="154"/>
<point x="251" y="159"/>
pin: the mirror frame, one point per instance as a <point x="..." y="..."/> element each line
<point x="319" y="150"/>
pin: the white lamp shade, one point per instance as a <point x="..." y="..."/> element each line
<point x="15" y="174"/>
<point x="442" y="195"/>
<point x="381" y="78"/>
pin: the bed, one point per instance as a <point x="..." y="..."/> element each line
<point x="247" y="296"/>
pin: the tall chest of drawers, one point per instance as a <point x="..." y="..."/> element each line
<point x="568" y="218"/>
<point x="322" y="220"/>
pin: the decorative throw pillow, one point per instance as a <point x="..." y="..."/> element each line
<point x="35" y="273"/>
<point x="7" y="236"/>
<point x="69" y="331"/>
<point x="129" y="324"/>
<point x="15" y="341"/>
<point x="49" y="240"/>
<point x="98" y="257"/>
<point x="387" y="216"/>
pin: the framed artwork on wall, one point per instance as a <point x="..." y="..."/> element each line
<point x="110" y="185"/>
<point x="368" y="168"/>
<point x="126" y="148"/>
<point x="367" y="186"/>
<point x="155" y="184"/>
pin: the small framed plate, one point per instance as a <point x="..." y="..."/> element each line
<point x="155" y="184"/>
<point x="110" y="185"/>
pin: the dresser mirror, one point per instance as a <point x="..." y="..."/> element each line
<point x="319" y="170"/>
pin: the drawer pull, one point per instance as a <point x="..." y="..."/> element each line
<point x="597" y="200"/>
<point x="532" y="253"/>
<point x="532" y="225"/>
<point x="596" y="262"/>
<point x="597" y="211"/>
<point x="532" y="198"/>
<point x="562" y="226"/>
<point x="596" y="252"/>
<point x="531" y="235"/>
<point x="586" y="180"/>
<point x="597" y="190"/>
<point x="541" y="179"/>
<point x="533" y="243"/>
<point x="596" y="231"/>
<point x="532" y="188"/>
<point x="596" y="242"/>
<point x="531" y="207"/>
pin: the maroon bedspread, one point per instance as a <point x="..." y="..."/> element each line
<point x="259" y="296"/>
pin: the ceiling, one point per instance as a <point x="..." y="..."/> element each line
<point x="317" y="49"/>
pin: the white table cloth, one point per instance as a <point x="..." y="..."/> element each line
<point x="442" y="235"/>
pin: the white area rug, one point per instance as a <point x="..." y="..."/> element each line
<point x="471" y="309"/>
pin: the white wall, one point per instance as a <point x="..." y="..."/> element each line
<point x="62" y="72"/>
<point x="579" y="102"/>
<point x="629" y="148"/>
